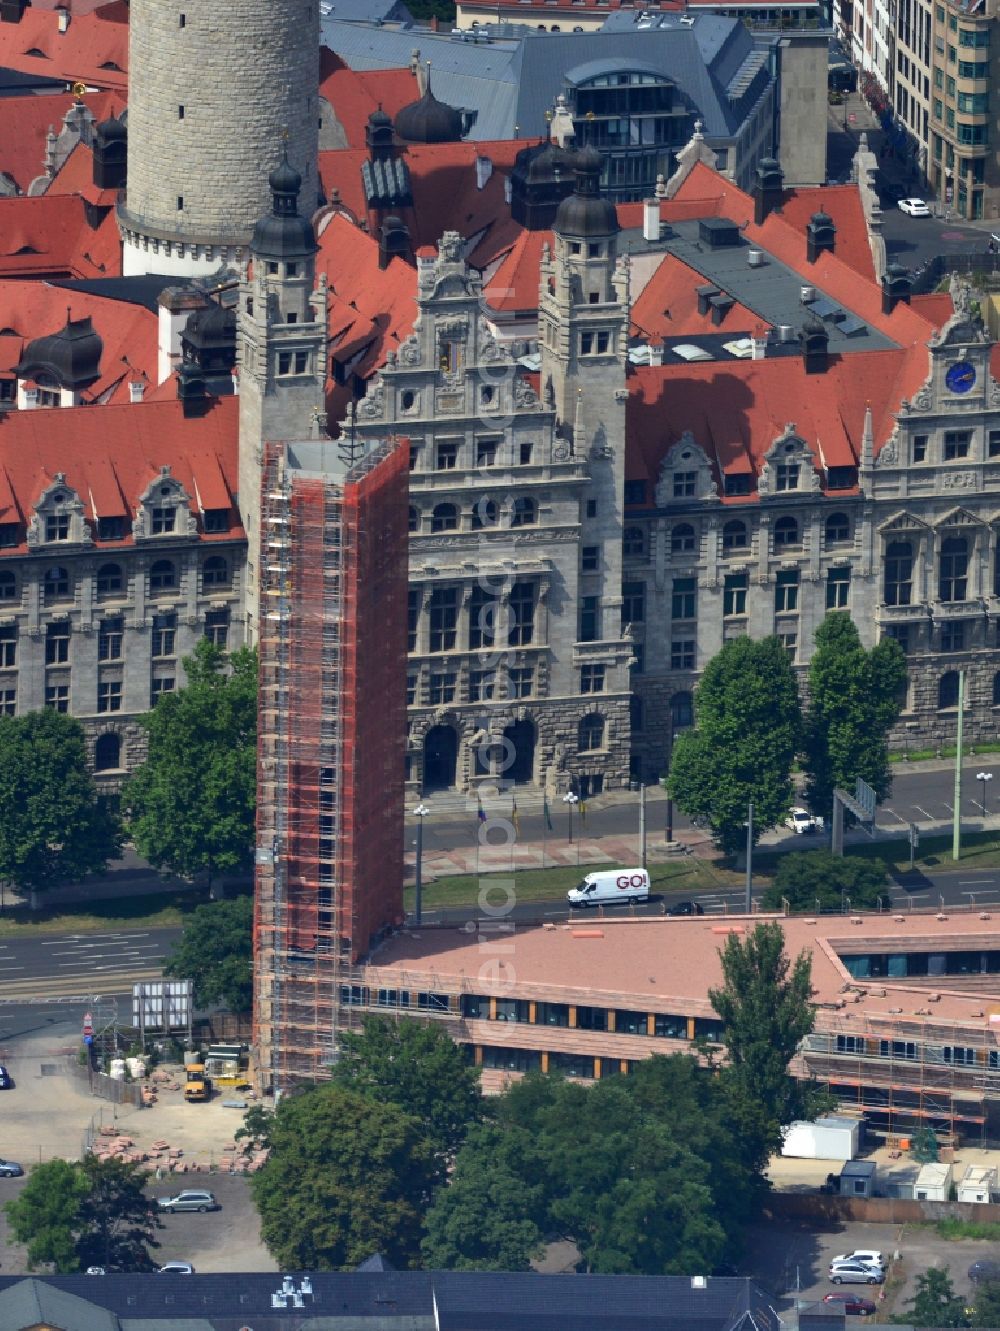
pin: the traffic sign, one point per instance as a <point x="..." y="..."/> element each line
<point x="88" y="1039"/>
<point x="865" y="796"/>
<point x="88" y="1025"/>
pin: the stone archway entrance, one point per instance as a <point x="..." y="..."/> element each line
<point x="440" y="758"/>
<point x="519" y="752"/>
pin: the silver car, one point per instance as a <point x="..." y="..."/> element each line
<point x="856" y="1273"/>
<point x="192" y="1199"/>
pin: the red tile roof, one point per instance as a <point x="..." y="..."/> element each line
<point x="668" y="306"/>
<point x="355" y="94"/>
<point x="26" y="123"/>
<point x="94" y="49"/>
<point x="51" y="236"/>
<point x="76" y="176"/>
<point x="111" y="456"/>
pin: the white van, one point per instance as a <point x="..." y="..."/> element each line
<point x="610" y="887"/>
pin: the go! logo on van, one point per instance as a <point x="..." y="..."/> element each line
<point x="623" y="881"/>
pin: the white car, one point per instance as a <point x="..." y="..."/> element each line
<point x="176" y="1269"/>
<point x="870" y="1255"/>
<point x="801" y="821"/>
<point x="914" y="208"/>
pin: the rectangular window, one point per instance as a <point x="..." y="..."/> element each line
<point x="590" y="619"/>
<point x="787" y="476"/>
<point x="57" y="527"/>
<point x="592" y="679"/>
<point x="8" y="702"/>
<point x="586" y="344"/>
<point x="590" y="559"/>
<point x="591" y="509"/>
<point x="838" y="585"/>
<point x="215" y="519"/>
<point x="683" y="598"/>
<point x="109" y="695"/>
<point x="953" y="636"/>
<point x="524" y="455"/>
<point x="284" y="362"/>
<point x="956" y="444"/>
<point x="411" y="690"/>
<point x="975" y="37"/>
<point x="522" y="614"/>
<point x="734" y="594"/>
<point x="920" y="448"/>
<point x="57" y="643"/>
<point x="443" y="619"/>
<point x="738" y="484"/>
<point x="160" y="684"/>
<point x="899" y="633"/>
<point x="164" y="635"/>
<point x="484" y="609"/>
<point x="217" y="628"/>
<point x="786" y="590"/>
<point x="481" y="685"/>
<point x="110" y="635"/>
<point x="633" y="603"/>
<point x="973" y="69"/>
<point x="111" y="529"/>
<point x="522" y="681"/>
<point x="57" y="697"/>
<point x="685" y="484"/>
<point x="993" y="444"/>
<point x="974" y="103"/>
<point x="10" y="534"/>
<point x="682" y="654"/>
<point x="441" y="686"/>
<point x="446" y="455"/>
<point x="8" y="646"/>
<point x="486" y="452"/>
<point x="164" y="520"/>
<point x="412" y="618"/>
<point x="301" y="362"/>
<point x="790" y="643"/>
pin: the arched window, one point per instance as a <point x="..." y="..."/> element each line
<point x="110" y="580"/>
<point x="898" y="582"/>
<point x="996" y="689"/>
<point x="444" y="518"/>
<point x="954" y="579"/>
<point x="591" y="733"/>
<point x="107" y="753"/>
<point x="682" y="539"/>
<point x="948" y="690"/>
<point x="524" y="513"/>
<point x="8" y="586"/>
<point x="838" y="529"/>
<point x="414" y="521"/>
<point x="786" y="533"/>
<point x="633" y="542"/>
<point x="734" y="537"/>
<point x="215" y="571"/>
<point x="163" y="576"/>
<point x="56" y="584"/>
<point x="484" y="514"/>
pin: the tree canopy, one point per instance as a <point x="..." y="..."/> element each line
<point x="191" y="803"/>
<point x="53" y="826"/>
<point x="816" y="880"/>
<point x="216" y="952"/>
<point x="855" y="698"/>
<point x="766" y="1008"/>
<point x="72" y="1215"/>
<point x="416" y="1066"/>
<point x="986" y="1304"/>
<point x="748" y="727"/>
<point x="935" y="1302"/>
<point x="347" y="1177"/>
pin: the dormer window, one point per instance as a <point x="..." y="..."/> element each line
<point x="164" y="519"/>
<point x="111" y="529"/>
<point x="787" y="476"/>
<point x="57" y="527"/>
<point x="216" y="520"/>
<point x="10" y="534"/>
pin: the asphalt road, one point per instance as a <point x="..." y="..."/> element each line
<point x="52" y="967"/>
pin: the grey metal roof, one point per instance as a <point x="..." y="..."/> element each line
<point x="28" y="1302"/>
<point x="367" y="11"/>
<point x="511" y="82"/>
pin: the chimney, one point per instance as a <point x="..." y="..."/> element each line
<point x="821" y="236"/>
<point x="768" y="191"/>
<point x="758" y="343"/>
<point x="484" y="169"/>
<point x="651" y="219"/>
<point x="814" y="341"/>
<point x="656" y="351"/>
<point x="896" y="284"/>
<point x="136" y="390"/>
<point x="63" y="19"/>
<point x="12" y="11"/>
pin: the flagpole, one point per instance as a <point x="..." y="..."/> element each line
<point x="545" y="819"/>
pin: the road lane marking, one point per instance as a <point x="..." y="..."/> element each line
<point x="922" y="810"/>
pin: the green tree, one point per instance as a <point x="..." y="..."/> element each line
<point x="986" y="1304"/>
<point x="766" y="1009"/>
<point x="747" y="733"/>
<point x="855" y="698"/>
<point x="814" y="880"/>
<point x="191" y="803"/>
<point x="935" y="1302"/>
<point x="416" y="1066"/>
<point x="346" y="1177"/>
<point x="53" y="826"/>
<point x="443" y="10"/>
<point x="488" y="1218"/>
<point x="89" y="1213"/>
<point x="216" y="951"/>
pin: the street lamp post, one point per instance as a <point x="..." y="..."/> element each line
<point x="982" y="778"/>
<point x="420" y="813"/>
<point x="571" y="800"/>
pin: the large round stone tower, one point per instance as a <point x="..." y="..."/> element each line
<point x="218" y="89"/>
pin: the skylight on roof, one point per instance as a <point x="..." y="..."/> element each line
<point x="688" y="351"/>
<point x="740" y="347"/>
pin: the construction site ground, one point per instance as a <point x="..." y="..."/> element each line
<point x="50" y="1112"/>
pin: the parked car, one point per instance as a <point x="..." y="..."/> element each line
<point x="6" y="1080"/>
<point x="176" y="1269"/>
<point x="96" y="1271"/>
<point x="10" y="1169"/>
<point x="914" y="208"/>
<point x="191" y="1199"/>
<point x="686" y="908"/>
<point x="984" y="1270"/>
<point x="870" y="1255"/>
<point x="852" y="1304"/>
<point x="802" y="821"/>
<point x="856" y="1273"/>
